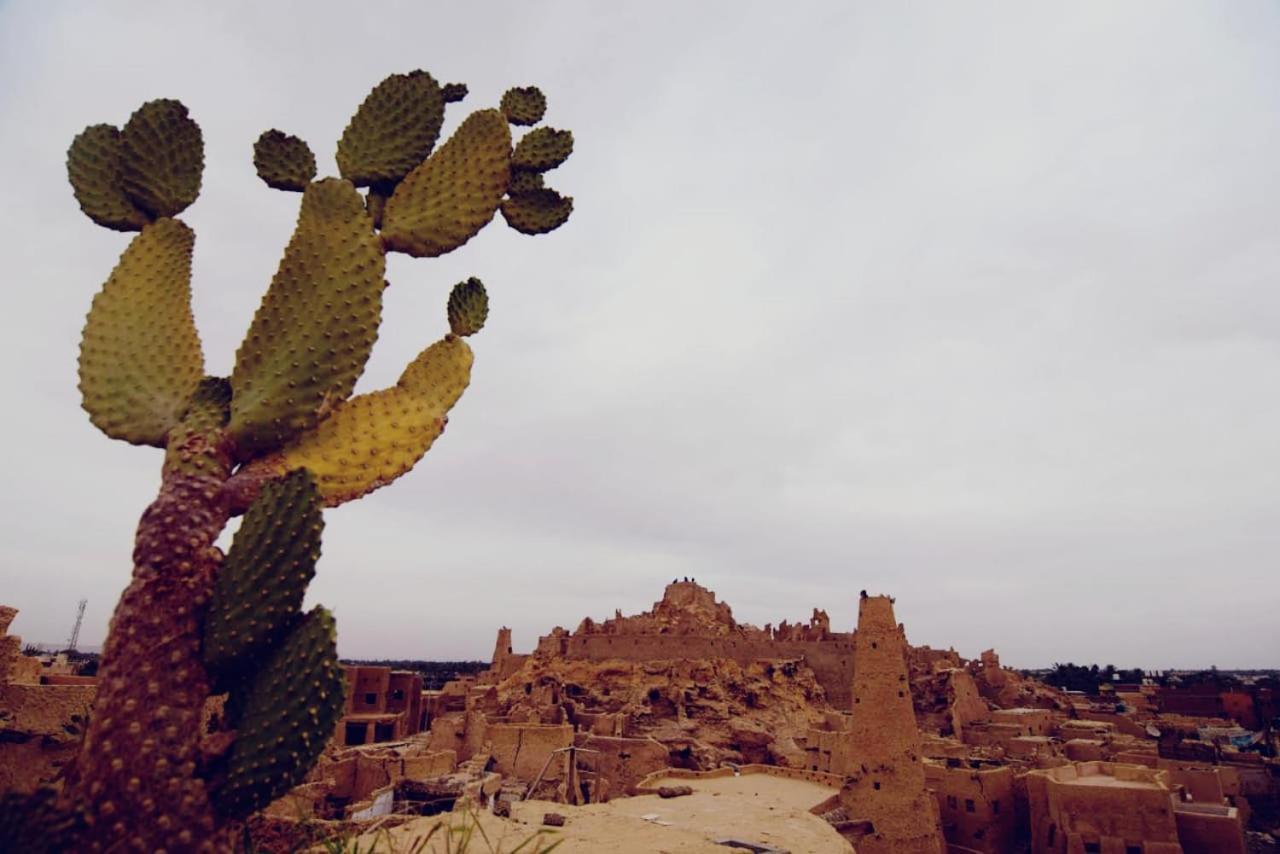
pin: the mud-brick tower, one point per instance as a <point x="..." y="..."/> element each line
<point x="885" y="775"/>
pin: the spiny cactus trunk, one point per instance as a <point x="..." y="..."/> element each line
<point x="137" y="771"/>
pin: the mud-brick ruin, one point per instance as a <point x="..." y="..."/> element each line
<point x="43" y="713"/>
<point x="791" y="737"/>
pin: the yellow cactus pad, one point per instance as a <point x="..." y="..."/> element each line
<point x="312" y="335"/>
<point x="542" y="149"/>
<point x="374" y="438"/>
<point x="444" y="202"/>
<point x="163" y="158"/>
<point x="536" y="211"/>
<point x="393" y="130"/>
<point x="284" y="162"/>
<point x="93" y="167"/>
<point x="140" y="356"/>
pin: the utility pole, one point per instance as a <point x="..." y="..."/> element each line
<point x="75" y="632"/>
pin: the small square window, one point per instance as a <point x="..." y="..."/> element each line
<point x="968" y="805"/>
<point x="370" y="699"/>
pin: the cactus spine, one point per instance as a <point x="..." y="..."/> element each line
<point x="279" y="438"/>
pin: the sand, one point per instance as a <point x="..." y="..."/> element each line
<point x="756" y="808"/>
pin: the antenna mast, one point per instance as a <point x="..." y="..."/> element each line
<point x="75" y="632"/>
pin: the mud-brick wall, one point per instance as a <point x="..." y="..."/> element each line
<point x="40" y="731"/>
<point x="978" y="807"/>
<point x="830" y="660"/>
<point x="623" y="762"/>
<point x="1209" y="827"/>
<point x="521" y="750"/>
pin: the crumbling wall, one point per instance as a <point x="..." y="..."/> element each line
<point x="977" y="805"/>
<point x="521" y="750"/>
<point x="830" y="660"/>
<point x="40" y="725"/>
<point x="621" y="763"/>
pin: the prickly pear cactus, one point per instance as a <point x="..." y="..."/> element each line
<point x="277" y="440"/>
<point x="284" y="162"/>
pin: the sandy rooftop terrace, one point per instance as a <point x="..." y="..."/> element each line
<point x="757" y="808"/>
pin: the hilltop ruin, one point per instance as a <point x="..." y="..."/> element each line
<point x="892" y="748"/>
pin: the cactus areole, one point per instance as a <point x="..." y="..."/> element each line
<point x="162" y="768"/>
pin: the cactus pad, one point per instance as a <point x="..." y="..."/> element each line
<point x="259" y="590"/>
<point x="35" y="823"/>
<point x="284" y="716"/>
<point x="284" y="162"/>
<point x="468" y="307"/>
<point x="536" y="211"/>
<point x="93" y="167"/>
<point x="542" y="149"/>
<point x="524" y="105"/>
<point x="163" y="158"/>
<point x="453" y="92"/>
<point x="444" y="202"/>
<point x="312" y="335"/>
<point x="374" y="438"/>
<point x="522" y="182"/>
<point x="393" y="130"/>
<point x="375" y="202"/>
<point x="140" y="355"/>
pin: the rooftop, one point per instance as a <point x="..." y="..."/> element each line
<point x="760" y="808"/>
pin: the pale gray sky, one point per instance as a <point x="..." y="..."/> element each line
<point x="975" y="304"/>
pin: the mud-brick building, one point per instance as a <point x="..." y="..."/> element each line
<point x="979" y="808"/>
<point x="382" y="705"/>
<point x="1103" y="806"/>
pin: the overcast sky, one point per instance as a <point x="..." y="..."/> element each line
<point x="973" y="304"/>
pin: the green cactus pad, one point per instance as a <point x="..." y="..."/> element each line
<point x="444" y="202"/>
<point x="468" y="307"/>
<point x="536" y="211"/>
<point x="163" y="158"/>
<point x="312" y="335"/>
<point x="285" y="714"/>
<point x="140" y="355"/>
<point x="524" y="105"/>
<point x="453" y="92"/>
<point x="523" y="182"/>
<point x="36" y="824"/>
<point x="93" y="167"/>
<point x="393" y="130"/>
<point x="542" y="149"/>
<point x="374" y="438"/>
<point x="259" y="589"/>
<point x="283" y="161"/>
